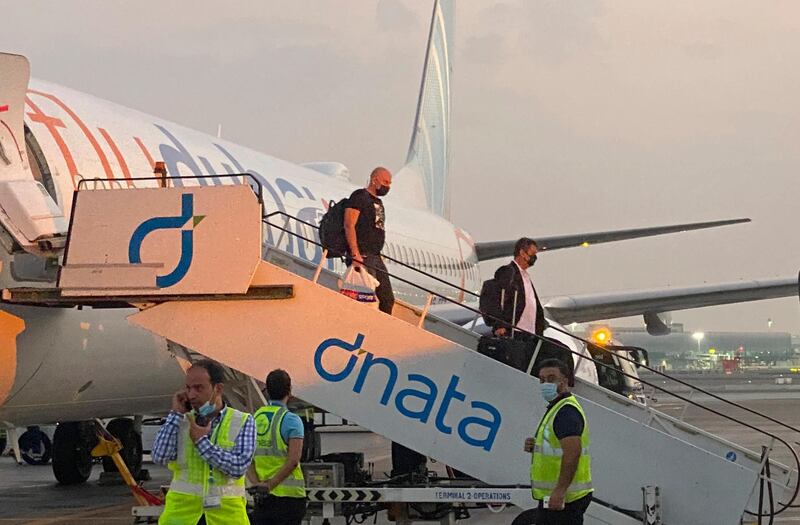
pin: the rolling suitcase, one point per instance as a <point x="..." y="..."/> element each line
<point x="516" y="353"/>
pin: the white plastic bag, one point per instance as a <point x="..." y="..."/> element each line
<point x="359" y="286"/>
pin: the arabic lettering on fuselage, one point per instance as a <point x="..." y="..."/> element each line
<point x="179" y="158"/>
<point x="176" y="154"/>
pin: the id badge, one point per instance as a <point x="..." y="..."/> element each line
<point x="212" y="502"/>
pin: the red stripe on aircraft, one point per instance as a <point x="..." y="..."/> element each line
<point x="3" y="108"/>
<point x="145" y="152"/>
<point x="120" y="159"/>
<point x="52" y="124"/>
<point x="13" y="137"/>
<point x="79" y="122"/>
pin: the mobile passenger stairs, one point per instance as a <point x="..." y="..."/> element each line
<point x="194" y="261"/>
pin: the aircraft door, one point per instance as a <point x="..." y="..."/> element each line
<point x="27" y="211"/>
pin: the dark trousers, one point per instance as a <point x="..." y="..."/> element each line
<point x="407" y="461"/>
<point x="274" y="510"/>
<point x="377" y="269"/>
<point x="571" y="515"/>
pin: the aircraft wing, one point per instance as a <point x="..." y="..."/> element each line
<point x="584" y="308"/>
<point x="495" y="249"/>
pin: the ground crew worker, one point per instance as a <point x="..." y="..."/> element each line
<point x="208" y="447"/>
<point x="276" y="471"/>
<point x="561" y="474"/>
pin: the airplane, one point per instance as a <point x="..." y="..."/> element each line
<point x="71" y="365"/>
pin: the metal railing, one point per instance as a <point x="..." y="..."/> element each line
<point x="764" y="476"/>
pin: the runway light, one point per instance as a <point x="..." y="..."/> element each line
<point x="601" y="336"/>
<point x="712" y="350"/>
<point x="698" y="335"/>
<point x="585" y="244"/>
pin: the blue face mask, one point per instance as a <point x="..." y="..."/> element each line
<point x="549" y="391"/>
<point x="206" y="410"/>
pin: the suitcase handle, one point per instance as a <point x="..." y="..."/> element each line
<point x="535" y="355"/>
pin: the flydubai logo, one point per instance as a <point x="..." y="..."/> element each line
<point x="166" y="223"/>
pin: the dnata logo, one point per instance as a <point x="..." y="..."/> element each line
<point x="478" y="429"/>
<point x="165" y="223"/>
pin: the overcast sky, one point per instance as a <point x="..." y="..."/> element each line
<point x="568" y="115"/>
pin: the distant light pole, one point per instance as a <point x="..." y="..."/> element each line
<point x="698" y="336"/>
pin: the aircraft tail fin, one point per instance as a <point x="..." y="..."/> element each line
<point x="428" y="159"/>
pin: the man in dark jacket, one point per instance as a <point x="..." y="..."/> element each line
<point x="520" y="304"/>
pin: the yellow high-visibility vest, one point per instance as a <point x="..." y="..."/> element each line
<point x="547" y="452"/>
<point x="193" y="480"/>
<point x="272" y="451"/>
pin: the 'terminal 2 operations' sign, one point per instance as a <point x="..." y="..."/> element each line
<point x="159" y="241"/>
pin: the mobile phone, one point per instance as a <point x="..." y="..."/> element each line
<point x="187" y="406"/>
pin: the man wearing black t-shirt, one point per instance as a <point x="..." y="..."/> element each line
<point x="364" y="228"/>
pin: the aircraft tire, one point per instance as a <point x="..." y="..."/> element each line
<point x="125" y="430"/>
<point x="35" y="447"/>
<point x="72" y="452"/>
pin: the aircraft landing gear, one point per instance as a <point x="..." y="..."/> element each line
<point x="35" y="446"/>
<point x="126" y="431"/>
<point x="72" y="446"/>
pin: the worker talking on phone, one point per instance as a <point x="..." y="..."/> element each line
<point x="208" y="446"/>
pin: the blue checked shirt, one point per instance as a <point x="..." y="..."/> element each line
<point x="232" y="462"/>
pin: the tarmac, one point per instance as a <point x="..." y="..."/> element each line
<point x="30" y="495"/>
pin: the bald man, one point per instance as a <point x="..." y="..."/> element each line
<point x="364" y="221"/>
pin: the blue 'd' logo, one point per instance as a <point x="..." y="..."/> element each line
<point x="420" y="399"/>
<point x="164" y="223"/>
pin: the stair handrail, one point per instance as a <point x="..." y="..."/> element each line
<point x="784" y="506"/>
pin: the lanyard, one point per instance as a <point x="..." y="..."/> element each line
<point x="214" y="435"/>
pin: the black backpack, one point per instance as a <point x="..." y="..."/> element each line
<point x="331" y="230"/>
<point x="489" y="302"/>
